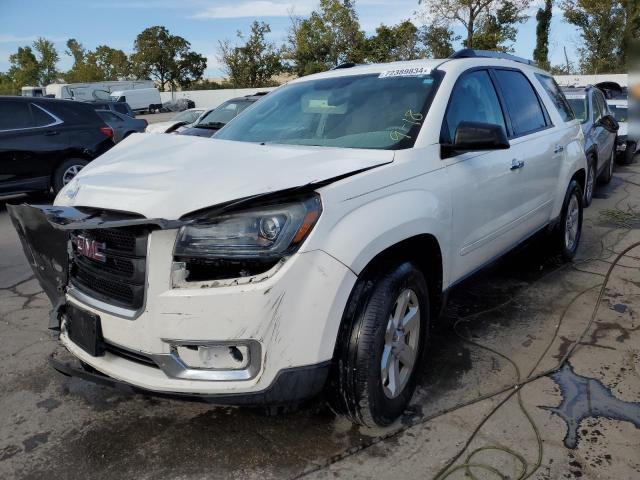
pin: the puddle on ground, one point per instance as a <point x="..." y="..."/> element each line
<point x="584" y="397"/>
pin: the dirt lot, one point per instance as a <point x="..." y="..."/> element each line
<point x="515" y="321"/>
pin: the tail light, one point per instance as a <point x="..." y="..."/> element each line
<point x="108" y="131"/>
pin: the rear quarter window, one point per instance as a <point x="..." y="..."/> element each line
<point x="522" y="102"/>
<point x="557" y="97"/>
<point x="74" y="113"/>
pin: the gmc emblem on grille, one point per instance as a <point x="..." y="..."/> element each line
<point x="90" y="248"/>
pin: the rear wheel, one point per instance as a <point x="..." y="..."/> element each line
<point x="381" y="345"/>
<point x="568" y="232"/>
<point x="629" y="153"/>
<point x="66" y="172"/>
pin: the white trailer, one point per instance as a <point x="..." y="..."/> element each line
<point x="94" y="90"/>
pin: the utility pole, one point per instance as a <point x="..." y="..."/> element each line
<point x="566" y="58"/>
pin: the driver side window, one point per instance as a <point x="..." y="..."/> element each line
<point x="473" y="99"/>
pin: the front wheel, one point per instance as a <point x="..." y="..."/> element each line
<point x="607" y="174"/>
<point x="568" y="232"/>
<point x="381" y="344"/>
<point x="590" y="182"/>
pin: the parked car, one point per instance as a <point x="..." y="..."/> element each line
<point x="311" y="243"/>
<point x="119" y="107"/>
<point x="182" y="119"/>
<point x="599" y="129"/>
<point x="45" y="142"/>
<point x="213" y="120"/>
<point x="626" y="145"/>
<point x="139" y="99"/>
<point x="122" y="125"/>
<point x="178" y="105"/>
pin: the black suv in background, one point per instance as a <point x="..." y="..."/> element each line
<point x="45" y="142"/>
<point x="119" y="107"/>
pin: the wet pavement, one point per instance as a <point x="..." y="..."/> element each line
<point x="515" y="321"/>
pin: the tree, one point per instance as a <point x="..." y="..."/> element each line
<point x="7" y="87"/>
<point x="82" y="70"/>
<point x="329" y="37"/>
<point x="543" y="19"/>
<point x="254" y="63"/>
<point x="492" y="19"/>
<point x="604" y="26"/>
<point x="113" y="64"/>
<point x="24" y="68"/>
<point x="47" y="71"/>
<point x="390" y="44"/>
<point x="166" y="58"/>
<point x="438" y="40"/>
<point x="496" y="29"/>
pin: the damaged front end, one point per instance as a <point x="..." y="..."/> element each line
<point x="45" y="232"/>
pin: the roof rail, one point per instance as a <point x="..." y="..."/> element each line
<point x="471" y="53"/>
<point x="344" y="65"/>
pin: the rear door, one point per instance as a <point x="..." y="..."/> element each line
<point x="30" y="145"/>
<point x="486" y="198"/>
<point x="535" y="144"/>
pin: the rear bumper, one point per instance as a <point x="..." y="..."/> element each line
<point x="290" y="385"/>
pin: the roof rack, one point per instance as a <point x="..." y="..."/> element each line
<point x="471" y="53"/>
<point x="344" y="65"/>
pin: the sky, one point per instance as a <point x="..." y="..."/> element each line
<point x="206" y="22"/>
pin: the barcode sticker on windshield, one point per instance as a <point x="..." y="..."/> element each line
<point x="405" y="72"/>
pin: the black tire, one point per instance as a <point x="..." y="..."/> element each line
<point x="559" y="237"/>
<point x="61" y="173"/>
<point x="357" y="379"/>
<point x="607" y="172"/>
<point x="590" y="182"/>
<point x="629" y="153"/>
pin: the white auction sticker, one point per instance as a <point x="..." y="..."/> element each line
<point x="405" y="72"/>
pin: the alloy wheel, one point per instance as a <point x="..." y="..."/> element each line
<point x="70" y="172"/>
<point x="402" y="339"/>
<point x="590" y="181"/>
<point x="572" y="223"/>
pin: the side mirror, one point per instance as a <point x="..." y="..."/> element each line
<point x="609" y="122"/>
<point x="473" y="136"/>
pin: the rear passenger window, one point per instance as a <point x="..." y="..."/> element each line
<point x="14" y="115"/>
<point x="40" y="117"/>
<point x="557" y="97"/>
<point x="473" y="100"/>
<point x="522" y="102"/>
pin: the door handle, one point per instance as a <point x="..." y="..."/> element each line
<point x="51" y="133"/>
<point x="516" y="164"/>
<point x="558" y="149"/>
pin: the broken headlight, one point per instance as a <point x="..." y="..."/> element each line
<point x="247" y="242"/>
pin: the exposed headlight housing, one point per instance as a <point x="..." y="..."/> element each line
<point x="246" y="242"/>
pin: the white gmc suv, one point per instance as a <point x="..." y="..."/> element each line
<point x="311" y="242"/>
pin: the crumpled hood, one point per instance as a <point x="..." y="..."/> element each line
<point x="168" y="176"/>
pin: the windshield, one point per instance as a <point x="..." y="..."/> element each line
<point x="579" y="106"/>
<point x="224" y="113"/>
<point x="620" y="112"/>
<point x="380" y="111"/>
<point x="189" y="116"/>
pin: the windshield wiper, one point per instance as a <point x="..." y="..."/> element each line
<point x="211" y="125"/>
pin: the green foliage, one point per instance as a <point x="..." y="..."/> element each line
<point x="607" y="28"/>
<point x="166" y="58"/>
<point x="543" y="25"/>
<point x="329" y="37"/>
<point x="489" y="24"/>
<point x="31" y="66"/>
<point x="7" y="87"/>
<point x="438" y="40"/>
<point x="24" y="68"/>
<point x="255" y="62"/>
<point x="47" y="72"/>
<point x="390" y="44"/>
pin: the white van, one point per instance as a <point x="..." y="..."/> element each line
<point x="140" y="99"/>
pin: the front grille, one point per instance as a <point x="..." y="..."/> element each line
<point x="111" y="266"/>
